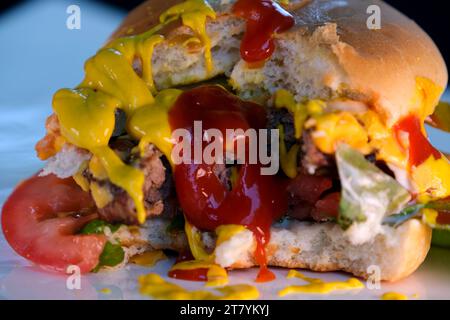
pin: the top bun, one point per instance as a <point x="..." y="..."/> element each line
<point x="329" y="53"/>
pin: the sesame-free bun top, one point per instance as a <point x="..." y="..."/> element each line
<point x="330" y="52"/>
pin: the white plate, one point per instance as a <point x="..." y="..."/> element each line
<point x="46" y="56"/>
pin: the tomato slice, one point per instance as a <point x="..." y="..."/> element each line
<point x="35" y="227"/>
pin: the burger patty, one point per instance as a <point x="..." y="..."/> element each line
<point x="310" y="158"/>
<point x="314" y="193"/>
<point x="159" y="190"/>
<point x="159" y="195"/>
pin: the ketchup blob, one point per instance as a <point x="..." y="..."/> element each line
<point x="263" y="18"/>
<point x="254" y="200"/>
<point x="420" y="149"/>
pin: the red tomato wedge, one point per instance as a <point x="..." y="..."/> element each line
<point x="36" y="228"/>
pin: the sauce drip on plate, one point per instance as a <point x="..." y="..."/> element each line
<point x="200" y="274"/>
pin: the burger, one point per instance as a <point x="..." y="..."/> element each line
<point x="337" y="106"/>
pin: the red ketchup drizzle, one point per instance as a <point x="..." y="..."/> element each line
<point x="255" y="200"/>
<point x="443" y="209"/>
<point x="420" y="149"/>
<point x="263" y="18"/>
<point x="199" y="274"/>
<point x="443" y="218"/>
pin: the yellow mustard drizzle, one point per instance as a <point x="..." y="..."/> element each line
<point x="223" y="232"/>
<point x="195" y="243"/>
<point x="226" y="231"/>
<point x="317" y="286"/>
<point x="96" y="169"/>
<point x="300" y="112"/>
<point x="288" y="159"/>
<point x="87" y="114"/>
<point x="394" y="296"/>
<point x="216" y="275"/>
<point x="155" y="286"/>
<point x="149" y="258"/>
<point x="150" y="123"/>
<point x="193" y="14"/>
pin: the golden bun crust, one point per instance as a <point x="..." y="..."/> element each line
<point x="380" y="64"/>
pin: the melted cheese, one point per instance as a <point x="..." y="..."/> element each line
<point x="155" y="286"/>
<point x="382" y="140"/>
<point x="333" y="128"/>
<point x="394" y="296"/>
<point x="80" y="179"/>
<point x="317" y="286"/>
<point x="432" y="179"/>
<point x="429" y="216"/>
<point x="366" y="132"/>
<point x="100" y="195"/>
<point x="149" y="258"/>
<point x="426" y="96"/>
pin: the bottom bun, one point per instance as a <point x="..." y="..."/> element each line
<point x="394" y="254"/>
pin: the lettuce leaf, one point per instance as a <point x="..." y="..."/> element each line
<point x="98" y="227"/>
<point x="440" y="119"/>
<point x="368" y="194"/>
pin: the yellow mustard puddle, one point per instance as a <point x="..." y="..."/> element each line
<point x="394" y="296"/>
<point x="317" y="286"/>
<point x="149" y="258"/>
<point x="105" y="291"/>
<point x="156" y="287"/>
<point x="87" y="113"/>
